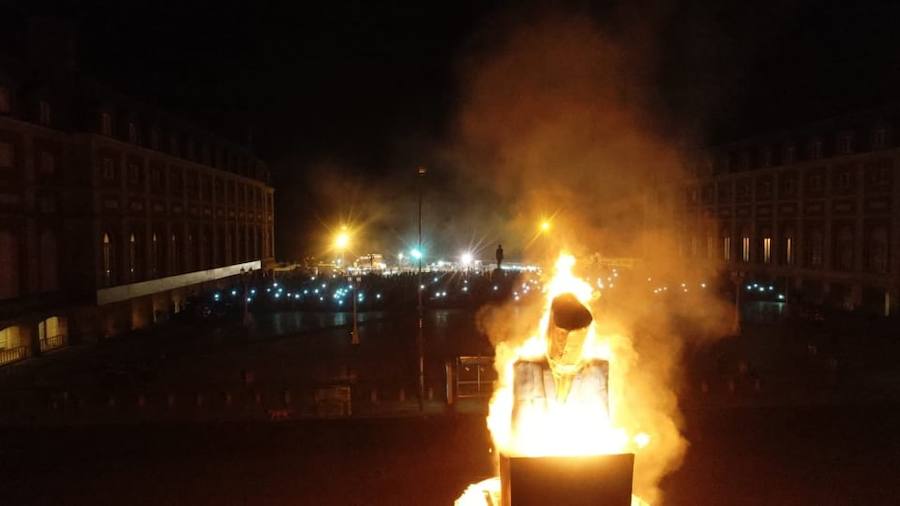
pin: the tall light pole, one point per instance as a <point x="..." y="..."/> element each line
<point x="420" y="340"/>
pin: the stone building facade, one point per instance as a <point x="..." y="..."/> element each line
<point x="113" y="212"/>
<point x="811" y="210"/>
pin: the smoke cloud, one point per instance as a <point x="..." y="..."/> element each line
<point x="557" y="120"/>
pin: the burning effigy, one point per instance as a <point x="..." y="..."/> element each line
<point x="551" y="415"/>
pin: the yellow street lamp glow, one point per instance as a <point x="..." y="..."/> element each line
<point x="545" y="225"/>
<point x="342" y="240"/>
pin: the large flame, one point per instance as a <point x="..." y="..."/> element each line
<point x="578" y="426"/>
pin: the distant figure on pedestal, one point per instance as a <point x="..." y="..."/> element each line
<point x="499" y="257"/>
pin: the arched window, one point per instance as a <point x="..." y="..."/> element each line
<point x="49" y="262"/>
<point x="9" y="259"/>
<point x="107" y="254"/>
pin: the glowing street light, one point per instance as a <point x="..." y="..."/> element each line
<point x="415" y="253"/>
<point x="545" y="226"/>
<point x="466" y="259"/>
<point x="342" y="239"/>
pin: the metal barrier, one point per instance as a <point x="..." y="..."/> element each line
<point x="53" y="342"/>
<point x="475" y="377"/>
<point x="10" y="355"/>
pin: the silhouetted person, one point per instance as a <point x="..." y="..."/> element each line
<point x="499" y="255"/>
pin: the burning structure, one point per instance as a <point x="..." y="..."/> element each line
<point x="552" y="415"/>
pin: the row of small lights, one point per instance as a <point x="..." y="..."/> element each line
<point x="763" y="289"/>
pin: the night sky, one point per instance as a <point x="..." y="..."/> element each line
<point x="370" y="88"/>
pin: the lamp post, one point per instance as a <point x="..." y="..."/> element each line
<point x="354" y="334"/>
<point x="420" y="341"/>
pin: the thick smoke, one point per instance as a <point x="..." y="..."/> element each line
<point x="555" y="119"/>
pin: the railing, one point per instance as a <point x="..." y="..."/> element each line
<point x="53" y="342"/>
<point x="10" y="355"/>
<point x="475" y="377"/>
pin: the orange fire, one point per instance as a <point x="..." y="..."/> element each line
<point x="577" y="425"/>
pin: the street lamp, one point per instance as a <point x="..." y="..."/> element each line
<point x="341" y="242"/>
<point x="417" y="254"/>
<point x="466" y="260"/>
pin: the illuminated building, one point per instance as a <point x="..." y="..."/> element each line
<point x="815" y="210"/>
<point x="112" y="212"/>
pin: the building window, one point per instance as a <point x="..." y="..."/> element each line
<point x="845" y="143"/>
<point x="106" y="123"/>
<point x="726" y="251"/>
<point x="156" y="179"/>
<point x="9" y="259"/>
<point x="815" y="148"/>
<point x="44" y="112"/>
<point x="877" y="254"/>
<point x="46" y="163"/>
<point x="844" y="249"/>
<point x="7" y="155"/>
<point x="5" y="102"/>
<point x="109" y="169"/>
<point x="767" y="250"/>
<point x="173" y="255"/>
<point x="816" y="249"/>
<point x="134" y="173"/>
<point x="710" y="246"/>
<point x="132" y="256"/>
<point x="745" y="248"/>
<point x="790" y="153"/>
<point x="880" y="138"/>
<point x="789" y="250"/>
<point x="154" y="256"/>
<point x="767" y="156"/>
<point x="107" y="261"/>
<point x="132" y="133"/>
<point x="49" y="262"/>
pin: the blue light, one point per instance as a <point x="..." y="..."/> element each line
<point x="249" y="299"/>
<point x="216" y="296"/>
<point x="275" y="284"/>
<point x="253" y="291"/>
<point x="305" y="292"/>
<point x="233" y="293"/>
<point x="780" y="296"/>
<point x="416" y="253"/>
<point x="296" y="295"/>
<point x="277" y="295"/>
